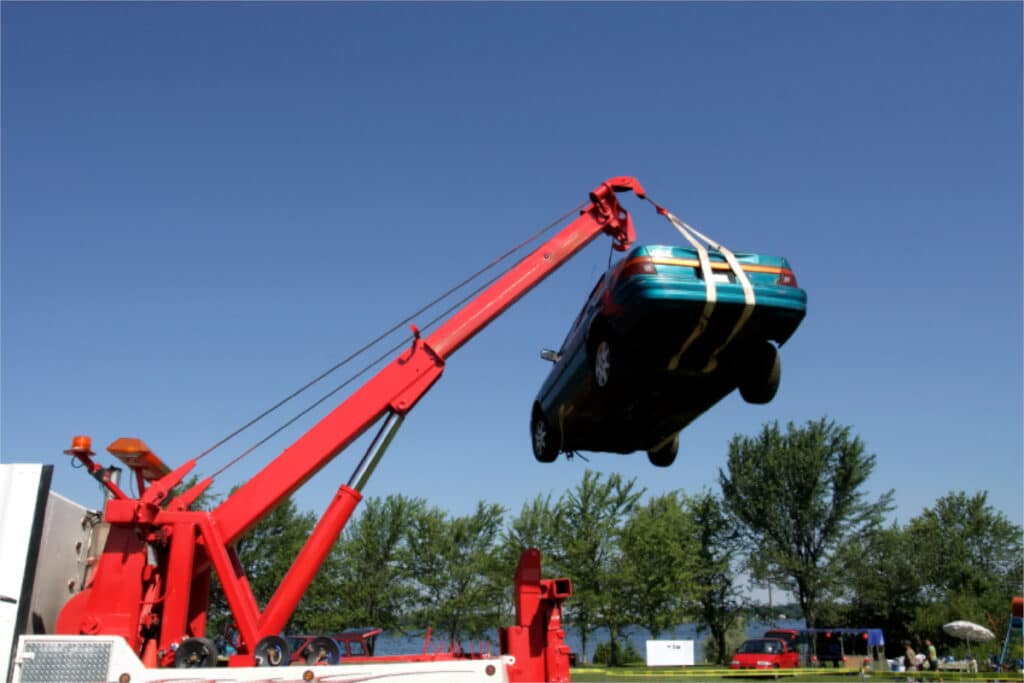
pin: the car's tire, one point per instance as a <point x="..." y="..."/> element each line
<point x="544" y="438"/>
<point x="273" y="651"/>
<point x="665" y="455"/>
<point x="763" y="370"/>
<point x="195" y="653"/>
<point x="604" y="363"/>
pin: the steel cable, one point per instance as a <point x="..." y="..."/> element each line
<point x="449" y="292"/>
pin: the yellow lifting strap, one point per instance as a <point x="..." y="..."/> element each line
<point x="695" y="237"/>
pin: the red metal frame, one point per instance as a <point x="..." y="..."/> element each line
<point x="150" y="585"/>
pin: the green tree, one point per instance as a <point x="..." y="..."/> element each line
<point x="660" y="550"/>
<point x="372" y="559"/>
<point x="715" y="577"/>
<point x="969" y="559"/>
<point x="881" y="584"/>
<point x="719" y="650"/>
<point x="534" y="527"/>
<point x="798" y="496"/>
<point x="455" y="562"/>
<point x="589" y="519"/>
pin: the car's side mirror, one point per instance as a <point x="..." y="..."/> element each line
<point x="548" y="354"/>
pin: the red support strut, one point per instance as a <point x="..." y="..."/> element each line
<point x="537" y="640"/>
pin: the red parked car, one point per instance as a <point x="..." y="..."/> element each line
<point x="765" y="653"/>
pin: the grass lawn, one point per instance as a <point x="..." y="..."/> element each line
<point x="588" y="674"/>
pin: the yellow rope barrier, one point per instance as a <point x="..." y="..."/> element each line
<point x="813" y="673"/>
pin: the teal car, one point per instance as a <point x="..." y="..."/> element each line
<point x="657" y="344"/>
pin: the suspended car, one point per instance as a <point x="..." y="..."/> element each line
<point x="665" y="334"/>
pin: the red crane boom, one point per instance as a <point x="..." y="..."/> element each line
<point x="151" y="583"/>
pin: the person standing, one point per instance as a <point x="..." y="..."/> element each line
<point x="933" y="657"/>
<point x="910" y="657"/>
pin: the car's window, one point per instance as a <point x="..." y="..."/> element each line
<point x="587" y="305"/>
<point x="759" y="647"/>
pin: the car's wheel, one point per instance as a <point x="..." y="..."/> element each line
<point x="544" y="437"/>
<point x="195" y="653"/>
<point x="665" y="454"/>
<point x="760" y="380"/>
<point x="604" y="363"/>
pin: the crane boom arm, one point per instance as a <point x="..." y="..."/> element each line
<point x="151" y="584"/>
<point x="407" y="378"/>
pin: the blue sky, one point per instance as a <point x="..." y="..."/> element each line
<point x="205" y="205"/>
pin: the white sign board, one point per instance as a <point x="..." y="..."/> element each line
<point x="669" y="653"/>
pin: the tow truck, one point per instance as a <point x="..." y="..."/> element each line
<point x="138" y="613"/>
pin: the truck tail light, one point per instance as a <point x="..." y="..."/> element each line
<point x="640" y="266"/>
<point x="786" y="278"/>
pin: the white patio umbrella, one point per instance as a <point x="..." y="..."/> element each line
<point x="968" y="630"/>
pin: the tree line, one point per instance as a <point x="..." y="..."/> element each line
<point x="791" y="512"/>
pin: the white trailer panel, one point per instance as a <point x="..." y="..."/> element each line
<point x="23" y="492"/>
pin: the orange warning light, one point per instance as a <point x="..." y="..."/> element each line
<point x="80" y="445"/>
<point x="136" y="455"/>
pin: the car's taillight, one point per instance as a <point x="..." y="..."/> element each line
<point x="786" y="278"/>
<point x="640" y="266"/>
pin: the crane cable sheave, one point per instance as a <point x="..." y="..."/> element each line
<point x="606" y="207"/>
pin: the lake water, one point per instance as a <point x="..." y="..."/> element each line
<point x="390" y="644"/>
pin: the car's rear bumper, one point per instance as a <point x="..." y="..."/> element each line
<point x="658" y="317"/>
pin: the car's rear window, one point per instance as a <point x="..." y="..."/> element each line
<point x="767" y="647"/>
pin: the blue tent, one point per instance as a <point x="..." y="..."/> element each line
<point x="875" y="636"/>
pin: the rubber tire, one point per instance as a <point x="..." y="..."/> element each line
<point x="322" y="650"/>
<point x="273" y="651"/>
<point x="545" y="448"/>
<point x="604" y="364"/>
<point x="196" y="653"/>
<point x="761" y="379"/>
<point x="666" y="455"/>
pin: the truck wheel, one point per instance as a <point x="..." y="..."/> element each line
<point x="665" y="455"/>
<point x="322" y="650"/>
<point x="545" y="439"/>
<point x="195" y="653"/>
<point x="760" y="380"/>
<point x="273" y="651"/>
